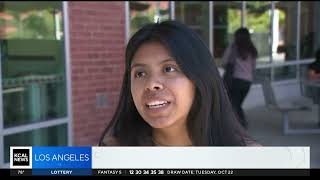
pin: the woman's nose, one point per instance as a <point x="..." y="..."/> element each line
<point x="154" y="84"/>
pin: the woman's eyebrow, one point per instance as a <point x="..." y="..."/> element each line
<point x="137" y="65"/>
<point x="170" y="59"/>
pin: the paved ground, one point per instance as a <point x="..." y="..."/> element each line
<point x="265" y="126"/>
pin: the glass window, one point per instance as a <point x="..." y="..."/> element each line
<point x="32" y="62"/>
<point x="284" y="44"/>
<point x="227" y="19"/>
<point x="144" y="12"/>
<point x="261" y="74"/>
<point x="285" y="72"/>
<point x="258" y="14"/>
<point x="31" y="20"/>
<point x="309" y="29"/>
<point x="257" y="20"/>
<point x="196" y="15"/>
<point x="306" y="90"/>
<point x="304" y="71"/>
<point x="53" y="136"/>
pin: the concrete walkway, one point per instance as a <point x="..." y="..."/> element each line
<point x="266" y="127"/>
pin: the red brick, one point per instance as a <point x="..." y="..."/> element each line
<point x="97" y="43"/>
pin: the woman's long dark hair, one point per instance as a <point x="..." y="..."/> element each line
<point x="211" y="120"/>
<point x="244" y="44"/>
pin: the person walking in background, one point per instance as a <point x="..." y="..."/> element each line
<point x="239" y="61"/>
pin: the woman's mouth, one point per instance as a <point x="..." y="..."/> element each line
<point x="157" y="104"/>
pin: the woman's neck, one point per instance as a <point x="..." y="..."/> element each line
<point x="171" y="137"/>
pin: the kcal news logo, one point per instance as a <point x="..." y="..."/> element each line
<point x="20" y="157"/>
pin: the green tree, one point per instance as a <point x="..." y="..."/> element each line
<point x="37" y="25"/>
<point x="258" y="18"/>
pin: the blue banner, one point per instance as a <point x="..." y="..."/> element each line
<point x="61" y="157"/>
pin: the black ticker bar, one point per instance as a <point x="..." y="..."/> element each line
<point x="201" y="172"/>
<point x="181" y="172"/>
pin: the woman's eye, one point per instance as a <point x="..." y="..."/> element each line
<point x="169" y="69"/>
<point x="139" y="74"/>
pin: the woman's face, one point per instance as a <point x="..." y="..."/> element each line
<point x="162" y="94"/>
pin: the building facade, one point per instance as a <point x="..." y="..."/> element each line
<point x="62" y="62"/>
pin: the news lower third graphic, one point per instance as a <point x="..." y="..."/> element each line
<point x="139" y="161"/>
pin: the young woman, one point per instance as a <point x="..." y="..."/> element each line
<point x="172" y="94"/>
<point x="241" y="54"/>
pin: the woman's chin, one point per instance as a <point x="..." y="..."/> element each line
<point x="159" y="123"/>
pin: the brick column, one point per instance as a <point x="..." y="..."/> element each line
<point x="97" y="45"/>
